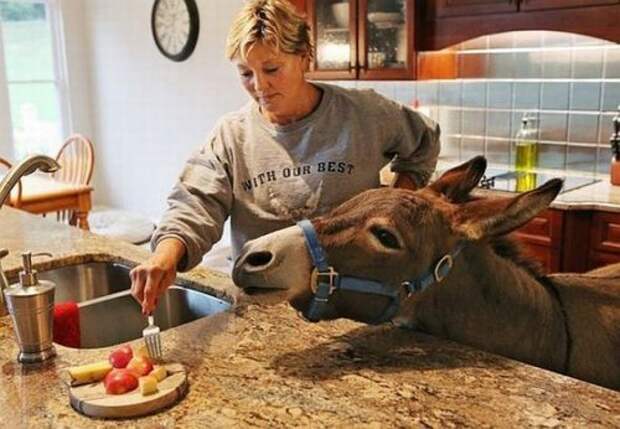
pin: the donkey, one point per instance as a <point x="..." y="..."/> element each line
<point x="438" y="260"/>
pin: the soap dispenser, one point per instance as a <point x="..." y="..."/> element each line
<point x="31" y="305"/>
<point x="614" y="170"/>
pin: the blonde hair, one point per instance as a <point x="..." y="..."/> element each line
<point x="275" y="22"/>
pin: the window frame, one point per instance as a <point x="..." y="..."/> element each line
<point x="59" y="79"/>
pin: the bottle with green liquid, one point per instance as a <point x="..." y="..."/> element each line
<point x="527" y="146"/>
<point x="526" y="159"/>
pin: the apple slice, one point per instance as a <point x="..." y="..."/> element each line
<point x="119" y="381"/>
<point x="120" y="357"/>
<point x="140" y="365"/>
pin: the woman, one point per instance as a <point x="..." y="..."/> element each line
<point x="296" y="150"/>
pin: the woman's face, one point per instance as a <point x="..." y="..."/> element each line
<point x="274" y="79"/>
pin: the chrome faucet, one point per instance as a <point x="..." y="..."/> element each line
<point x="24" y="168"/>
<point x="4" y="283"/>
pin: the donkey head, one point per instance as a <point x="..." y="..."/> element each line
<point x="388" y="236"/>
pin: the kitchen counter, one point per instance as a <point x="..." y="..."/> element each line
<point x="261" y="365"/>
<point x="597" y="196"/>
<point x="601" y="195"/>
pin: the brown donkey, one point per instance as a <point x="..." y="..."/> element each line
<point x="438" y="260"/>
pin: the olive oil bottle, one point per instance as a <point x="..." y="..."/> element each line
<point x="526" y="159"/>
<point x="526" y="146"/>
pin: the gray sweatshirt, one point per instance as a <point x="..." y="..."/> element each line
<point x="266" y="176"/>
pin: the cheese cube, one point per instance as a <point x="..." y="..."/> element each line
<point x="148" y="385"/>
<point x="159" y="372"/>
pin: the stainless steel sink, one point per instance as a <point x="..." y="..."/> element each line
<point x="109" y="315"/>
<point x="82" y="282"/>
<point x="117" y="318"/>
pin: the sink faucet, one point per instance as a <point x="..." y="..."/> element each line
<point x="24" y="168"/>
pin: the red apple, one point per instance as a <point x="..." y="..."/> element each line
<point x="119" y="381"/>
<point x="140" y="365"/>
<point x="120" y="357"/>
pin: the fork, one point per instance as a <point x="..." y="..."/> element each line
<point x="152" y="338"/>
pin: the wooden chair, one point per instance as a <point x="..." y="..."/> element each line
<point x="77" y="159"/>
<point x="16" y="194"/>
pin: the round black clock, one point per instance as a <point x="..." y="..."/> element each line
<point x="175" y="26"/>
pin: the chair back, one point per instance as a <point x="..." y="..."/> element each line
<point x="16" y="194"/>
<point x="76" y="158"/>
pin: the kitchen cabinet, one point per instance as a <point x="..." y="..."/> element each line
<point x="449" y="22"/>
<point x="526" y="5"/>
<point x="362" y="39"/>
<point x="572" y="240"/>
<point x="443" y="8"/>
<point x="605" y="239"/>
<point x="543" y="239"/>
<point x="299" y="4"/>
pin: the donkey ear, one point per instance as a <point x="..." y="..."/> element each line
<point x="498" y="216"/>
<point x="457" y="183"/>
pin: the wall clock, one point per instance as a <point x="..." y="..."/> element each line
<point x="175" y="26"/>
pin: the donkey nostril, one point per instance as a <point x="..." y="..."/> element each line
<point x="258" y="259"/>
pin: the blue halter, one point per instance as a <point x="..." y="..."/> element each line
<point x="328" y="280"/>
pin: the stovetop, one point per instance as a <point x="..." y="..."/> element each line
<point x="520" y="181"/>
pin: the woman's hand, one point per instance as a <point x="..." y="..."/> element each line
<point x="150" y="279"/>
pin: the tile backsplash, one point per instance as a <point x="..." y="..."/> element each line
<point x="569" y="83"/>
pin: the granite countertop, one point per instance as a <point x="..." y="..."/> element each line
<point x="260" y="365"/>
<point x="599" y="196"/>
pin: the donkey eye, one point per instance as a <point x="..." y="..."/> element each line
<point x="386" y="238"/>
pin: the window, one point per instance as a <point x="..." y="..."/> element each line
<point x="34" y="69"/>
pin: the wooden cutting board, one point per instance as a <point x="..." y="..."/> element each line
<point x="92" y="399"/>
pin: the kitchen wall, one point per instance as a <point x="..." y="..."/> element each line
<point x="145" y="113"/>
<point x="77" y="50"/>
<point x="570" y="83"/>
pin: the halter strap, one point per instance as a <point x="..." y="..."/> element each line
<point x="329" y="280"/>
<point x="319" y="258"/>
<point x="434" y="275"/>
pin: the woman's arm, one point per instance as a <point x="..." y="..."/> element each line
<point x="197" y="209"/>
<point x="417" y="147"/>
<point x="199" y="204"/>
<point x="412" y="142"/>
<point x="151" y="278"/>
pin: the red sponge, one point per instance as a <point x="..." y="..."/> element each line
<point x="67" y="324"/>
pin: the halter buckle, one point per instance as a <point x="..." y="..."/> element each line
<point x="446" y="260"/>
<point x="330" y="277"/>
<point x="410" y="287"/>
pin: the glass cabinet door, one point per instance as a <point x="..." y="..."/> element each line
<point x="386" y="39"/>
<point x="334" y="25"/>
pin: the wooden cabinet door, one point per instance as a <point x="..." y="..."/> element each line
<point x="386" y="39"/>
<point x="605" y="239"/>
<point x="605" y="232"/>
<point x="447" y="8"/>
<point x="602" y="259"/>
<point x="299" y="4"/>
<point x="334" y="28"/>
<point x="542" y="237"/>
<point x="526" y="5"/>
